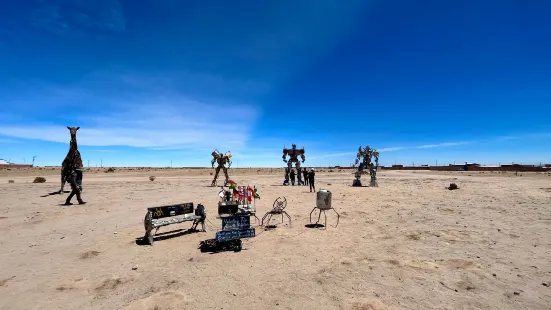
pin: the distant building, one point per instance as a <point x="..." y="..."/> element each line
<point x="464" y="166"/>
<point x="517" y="165"/>
<point x="4" y="162"/>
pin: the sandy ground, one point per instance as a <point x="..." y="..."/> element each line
<point x="408" y="244"/>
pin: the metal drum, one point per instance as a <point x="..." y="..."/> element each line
<point x="323" y="199"/>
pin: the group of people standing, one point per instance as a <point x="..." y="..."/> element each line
<point x="309" y="177"/>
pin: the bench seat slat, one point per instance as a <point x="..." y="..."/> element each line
<point x="160" y="223"/>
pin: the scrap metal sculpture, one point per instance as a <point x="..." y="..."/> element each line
<point x="323" y="203"/>
<point x="293" y="153"/>
<point x="365" y="156"/>
<point x="221" y="159"/>
<point x="277" y="209"/>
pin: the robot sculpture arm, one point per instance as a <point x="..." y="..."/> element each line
<point x="358" y="156"/>
<point x="215" y="156"/>
<point x="228" y="156"/>
<point x="302" y="156"/>
<point x="284" y="155"/>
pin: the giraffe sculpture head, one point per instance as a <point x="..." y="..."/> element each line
<point x="73" y="132"/>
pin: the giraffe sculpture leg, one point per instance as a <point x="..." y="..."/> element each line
<point x="226" y="174"/>
<point x="216" y="176"/>
<point x="62" y="185"/>
<point x="63" y="181"/>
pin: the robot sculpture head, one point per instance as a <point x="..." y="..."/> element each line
<point x="294" y="146"/>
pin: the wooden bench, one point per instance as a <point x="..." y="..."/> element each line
<point x="157" y="217"/>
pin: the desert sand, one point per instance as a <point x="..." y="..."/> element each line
<point x="408" y="244"/>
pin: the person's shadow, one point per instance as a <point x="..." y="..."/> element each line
<point x="54" y="193"/>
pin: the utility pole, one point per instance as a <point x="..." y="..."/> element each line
<point x="101" y="163"/>
<point x="88" y="163"/>
<point x="171" y="163"/>
<point x="24" y="160"/>
<point x="437" y="163"/>
<point x="33" y="159"/>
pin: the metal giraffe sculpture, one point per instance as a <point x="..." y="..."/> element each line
<point x="72" y="160"/>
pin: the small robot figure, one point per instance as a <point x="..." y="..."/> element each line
<point x="221" y="159"/>
<point x="293" y="158"/>
<point x="366" y="163"/>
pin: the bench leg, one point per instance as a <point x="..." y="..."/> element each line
<point x="148" y="236"/>
<point x="148" y="224"/>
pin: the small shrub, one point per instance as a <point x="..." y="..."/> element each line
<point x="39" y="180"/>
<point x="152" y="178"/>
<point x="331" y="170"/>
<point x="11" y="181"/>
<point x="453" y="186"/>
<point x="110" y="170"/>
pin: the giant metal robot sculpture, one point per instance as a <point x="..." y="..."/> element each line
<point x="365" y="155"/>
<point x="221" y="159"/>
<point x="293" y="158"/>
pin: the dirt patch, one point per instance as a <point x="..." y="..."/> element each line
<point x="64" y="288"/>
<point x="109" y="284"/>
<point x="3" y="282"/>
<point x="89" y="254"/>
<point x="413" y="236"/>
<point x="167" y="300"/>
<point x="460" y="263"/>
<point x="367" y="305"/>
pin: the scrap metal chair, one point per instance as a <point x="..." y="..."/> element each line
<point x="277" y="209"/>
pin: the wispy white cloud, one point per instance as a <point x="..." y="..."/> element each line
<point x="148" y="118"/>
<point x="430" y="146"/>
<point x="104" y="151"/>
<point x="333" y="155"/>
<point x="392" y="149"/>
<point x="524" y="136"/>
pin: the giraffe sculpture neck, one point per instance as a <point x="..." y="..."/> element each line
<point x="73" y="144"/>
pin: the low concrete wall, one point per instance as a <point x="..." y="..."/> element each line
<point x="474" y="168"/>
<point x="16" y="166"/>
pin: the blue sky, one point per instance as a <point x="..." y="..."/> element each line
<point x="153" y="81"/>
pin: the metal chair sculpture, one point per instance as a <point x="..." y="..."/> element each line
<point x="277" y="209"/>
<point x="323" y="203"/>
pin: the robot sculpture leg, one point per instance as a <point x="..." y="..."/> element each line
<point x="358" y="175"/>
<point x="357" y="181"/>
<point x="226" y="174"/>
<point x="216" y="176"/>
<point x="373" y="173"/>
<point x="287" y="171"/>
<point x="299" y="173"/>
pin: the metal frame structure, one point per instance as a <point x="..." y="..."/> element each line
<point x="277" y="209"/>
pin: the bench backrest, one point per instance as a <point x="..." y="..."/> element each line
<point x="172" y="210"/>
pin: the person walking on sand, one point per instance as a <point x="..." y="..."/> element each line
<point x="311" y="179"/>
<point x="76" y="185"/>
<point x="305" y="174"/>
<point x="293" y="177"/>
